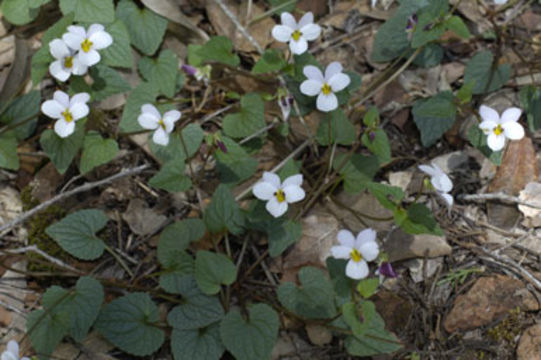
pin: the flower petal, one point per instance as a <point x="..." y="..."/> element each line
<point x="272" y="178"/>
<point x="326" y="102"/>
<point x="511" y="114"/>
<point x="365" y="236"/>
<point x="13" y="347"/>
<point x="495" y="142"/>
<point x="80" y="98"/>
<point x="94" y="28"/>
<point x="357" y="270"/>
<point x="288" y="20"/>
<point x="513" y="130"/>
<point x="148" y="121"/>
<point x="332" y="69"/>
<point x="448" y="198"/>
<point x="487" y="126"/>
<point x="306" y="19"/>
<point x="427" y="169"/>
<point x="100" y="40"/>
<point x="62" y="98"/>
<point x="298" y="47"/>
<point x="489" y="114"/>
<point x="78" y="68"/>
<point x="89" y="58"/>
<point x="59" y="49"/>
<point x="264" y="190"/>
<point x="79" y="110"/>
<point x="311" y="31"/>
<point x="293" y="180"/>
<point x="52" y="109"/>
<point x="58" y="72"/>
<point x="9" y="356"/>
<point x="311" y="87"/>
<point x="160" y="137"/>
<point x="276" y="208"/>
<point x="339" y="82"/>
<point x="282" y="33"/>
<point x="341" y="252"/>
<point x="293" y="193"/>
<point x="442" y="183"/>
<point x="151" y="109"/>
<point x="73" y="40"/>
<point x="369" y="250"/>
<point x="313" y="73"/>
<point x="63" y="128"/>
<point x="346" y="238"/>
<point x="77" y="30"/>
<point x="170" y="118"/>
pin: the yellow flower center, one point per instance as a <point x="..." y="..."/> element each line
<point x="280" y="196"/>
<point x="296" y="35"/>
<point x="498" y="130"/>
<point x="355" y="255"/>
<point x="67" y="116"/>
<point x="161" y="123"/>
<point x="86" y="45"/>
<point x="68" y="62"/>
<point x="326" y="89"/>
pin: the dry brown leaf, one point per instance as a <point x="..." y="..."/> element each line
<point x="518" y="168"/>
<point x="141" y="219"/>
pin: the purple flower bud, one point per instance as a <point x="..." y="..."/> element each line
<point x="188" y="69"/>
<point x="387" y="270"/>
<point x="222" y="146"/>
<point x="412" y="21"/>
<point x="285" y="103"/>
<point x="372" y="136"/>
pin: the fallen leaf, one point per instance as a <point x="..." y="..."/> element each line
<point x="141" y="219"/>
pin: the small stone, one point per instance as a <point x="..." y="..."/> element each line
<point x="489" y="299"/>
<point x="401" y="246"/>
<point x="318" y="334"/>
<point x="529" y="347"/>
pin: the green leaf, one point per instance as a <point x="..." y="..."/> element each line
<point x="434" y="116"/>
<point x="213" y="270"/>
<point x="223" y="213"/>
<point x="218" y="49"/>
<point x="46" y="330"/>
<point x="290" y="168"/>
<point x="20" y="12"/>
<point x="270" y="61"/>
<point x="197" y="311"/>
<point x="131" y="324"/>
<point x="282" y="237"/>
<point x="336" y="127"/>
<point x="145" y="27"/>
<point x="76" y="233"/>
<point x="378" y="145"/>
<point x="23" y="108"/>
<point x="193" y="137"/>
<point x="314" y="299"/>
<point x="144" y="93"/>
<point x="280" y="6"/>
<point x="162" y="71"/>
<point x="61" y="151"/>
<point x="171" y="177"/>
<point x="42" y="58"/>
<point x="235" y="165"/>
<point x="105" y="82"/>
<point x="487" y="75"/>
<point x="530" y="97"/>
<point x="430" y="56"/>
<point x="197" y="344"/>
<point x="357" y="171"/>
<point x="250" y="119"/>
<point x="8" y="152"/>
<point x="341" y="283"/>
<point x="353" y="315"/>
<point x="367" y="287"/>
<point x="371" y="118"/>
<point x="119" y="54"/>
<point x="100" y="11"/>
<point x="388" y="196"/>
<point x="252" y="338"/>
<point x="96" y="151"/>
<point x="478" y="139"/>
<point x="175" y="151"/>
<point x="464" y="94"/>
<point x="419" y="220"/>
<point x="456" y="25"/>
<point x="177" y="272"/>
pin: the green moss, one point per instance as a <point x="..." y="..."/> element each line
<point x="508" y="329"/>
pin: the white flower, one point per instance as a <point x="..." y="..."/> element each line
<point x="440" y="181"/>
<point x="66" y="110"/>
<point x="12" y="352"/>
<point x="151" y="119"/>
<point x="360" y="250"/>
<point x="324" y="86"/>
<point x="500" y="2"/>
<point x="297" y="34"/>
<point x="278" y="195"/>
<point x="373" y="3"/>
<point x="498" y="128"/>
<point x="87" y="43"/>
<point x="66" y="62"/>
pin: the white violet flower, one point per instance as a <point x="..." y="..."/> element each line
<point x="296" y="34"/>
<point x="67" y="111"/>
<point x="12" y="352"/>
<point x="151" y="119"/>
<point x="278" y="195"/>
<point x="66" y="62"/>
<point x="440" y="181"/>
<point x="87" y="43"/>
<point x="326" y="86"/>
<point x="358" y="250"/>
<point x="498" y="128"/>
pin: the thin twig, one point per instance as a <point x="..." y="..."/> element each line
<point x="35" y="249"/>
<point x="62" y="196"/>
<point x="498" y="196"/>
